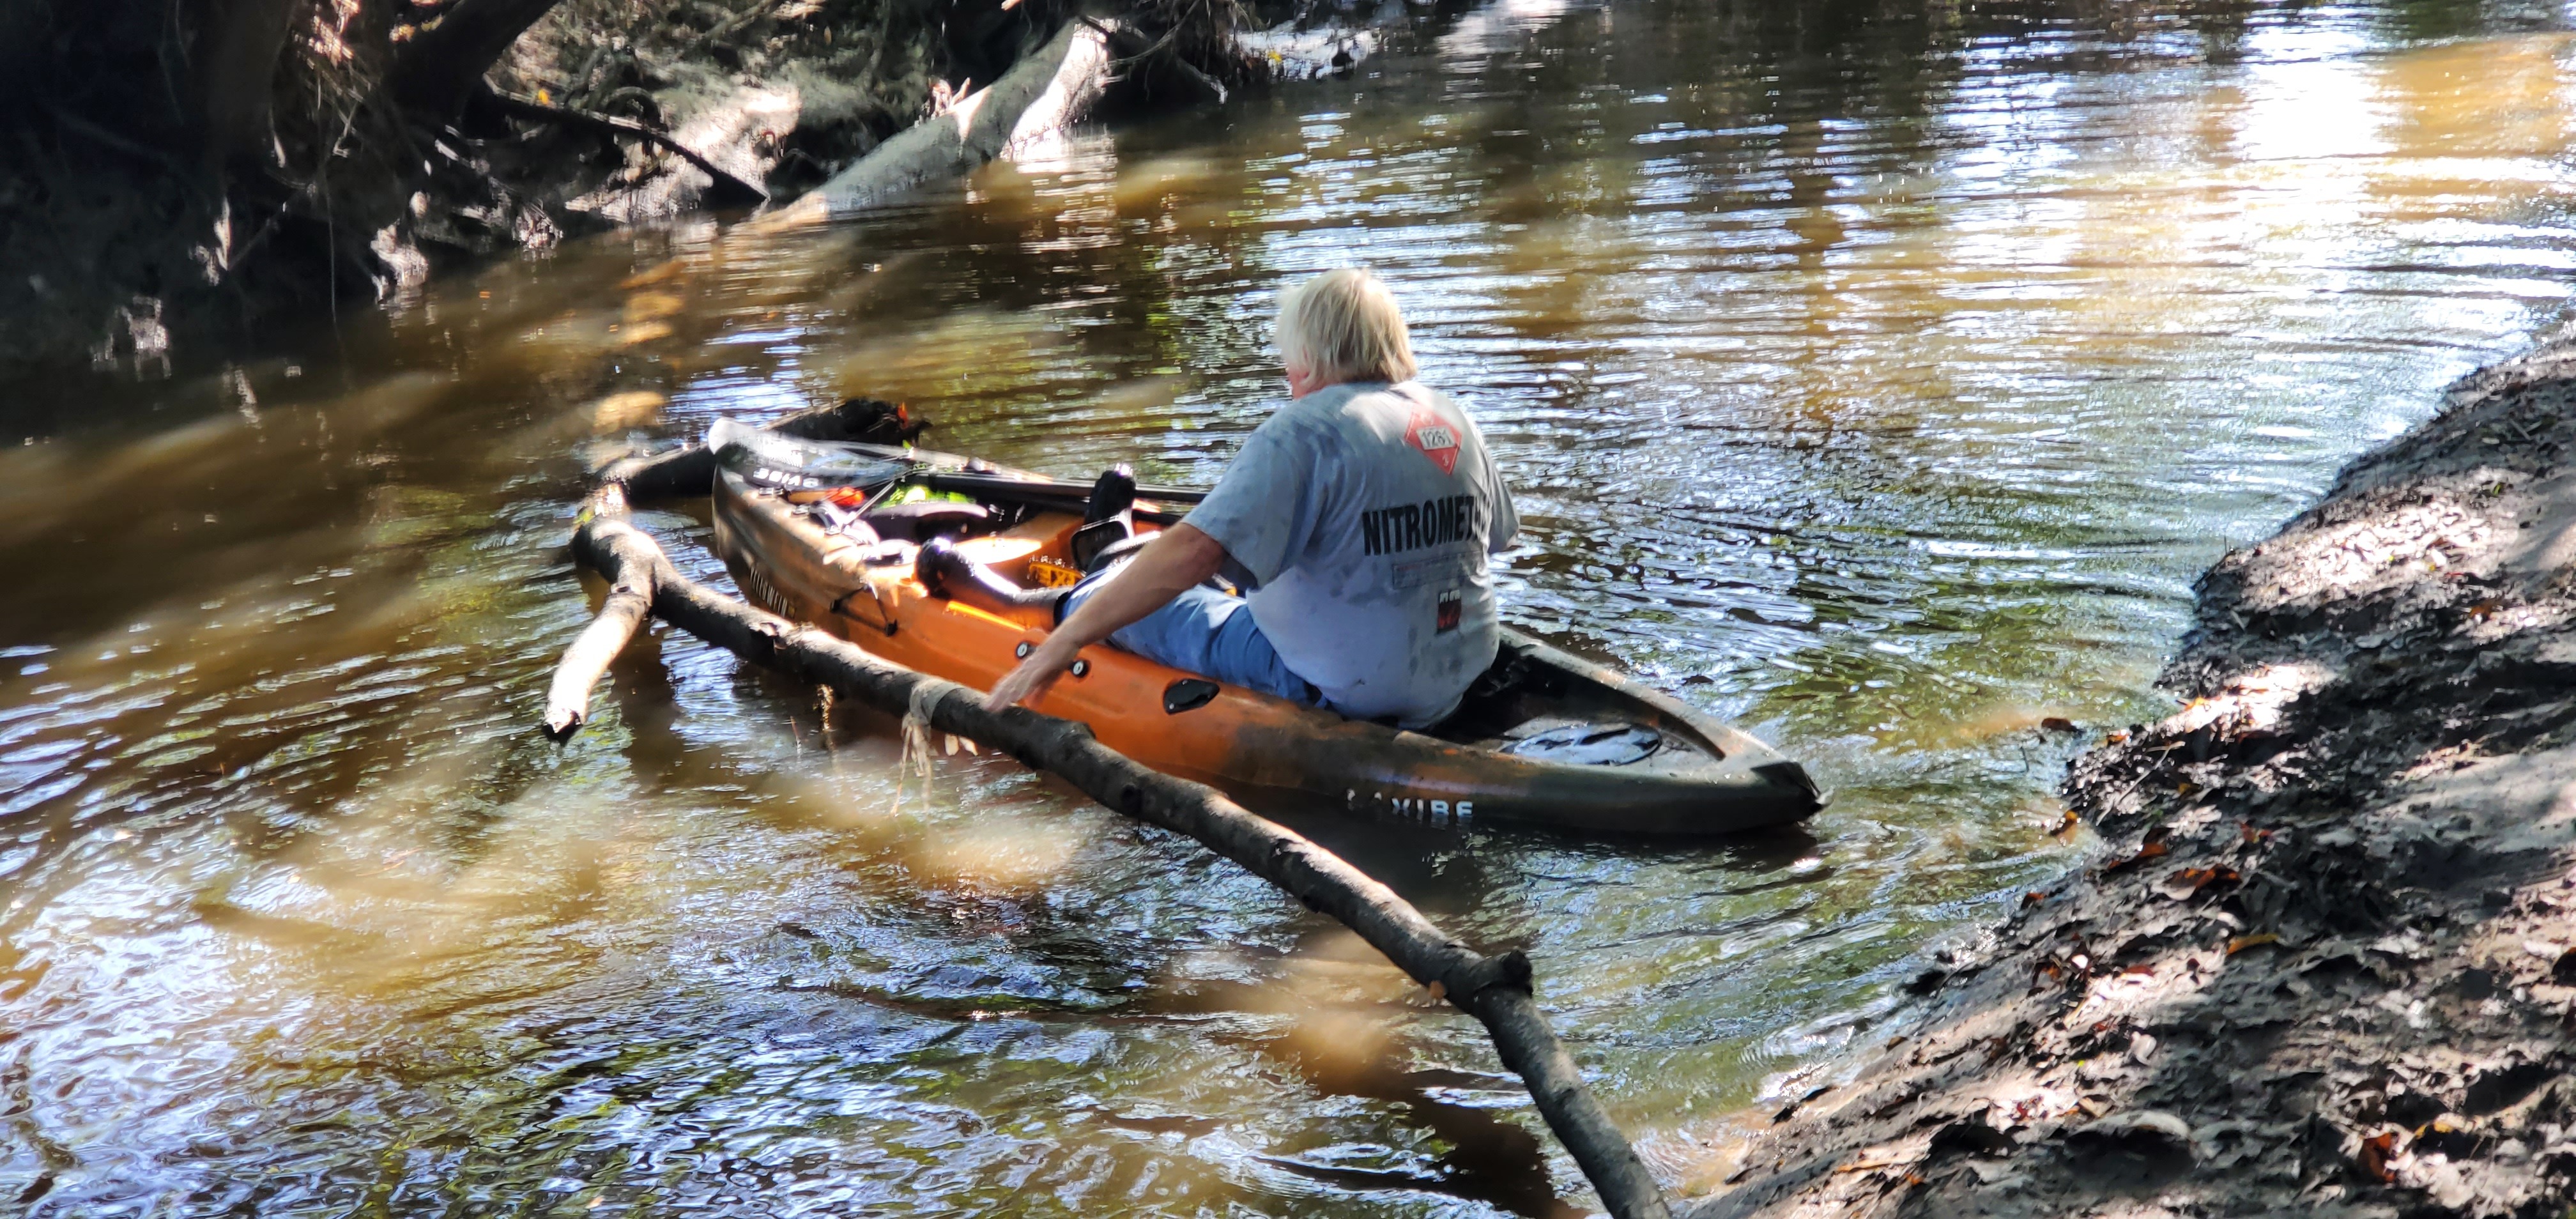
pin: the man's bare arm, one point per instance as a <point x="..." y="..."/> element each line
<point x="1178" y="558"/>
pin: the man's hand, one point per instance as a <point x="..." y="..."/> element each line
<point x="1177" y="558"/>
<point x="1036" y="674"/>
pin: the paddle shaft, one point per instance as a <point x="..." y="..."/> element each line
<point x="1055" y="493"/>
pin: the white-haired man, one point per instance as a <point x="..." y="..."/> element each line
<point x="1358" y="518"/>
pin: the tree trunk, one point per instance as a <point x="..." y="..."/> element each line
<point x="237" y="72"/>
<point x="439" y="67"/>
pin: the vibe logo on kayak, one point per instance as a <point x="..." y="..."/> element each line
<point x="1417" y="808"/>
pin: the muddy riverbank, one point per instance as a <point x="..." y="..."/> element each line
<point x="301" y="160"/>
<point x="2326" y="962"/>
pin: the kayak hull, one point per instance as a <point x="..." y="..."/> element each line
<point x="1698" y="778"/>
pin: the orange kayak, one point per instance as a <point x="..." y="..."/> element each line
<point x="1542" y="739"/>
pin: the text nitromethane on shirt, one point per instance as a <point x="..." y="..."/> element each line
<point x="1433" y="522"/>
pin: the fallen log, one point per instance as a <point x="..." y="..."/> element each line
<point x="1048" y="90"/>
<point x="1496" y="990"/>
<point x="630" y="601"/>
<point x="691" y="470"/>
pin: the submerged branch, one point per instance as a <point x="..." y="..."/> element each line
<point x="1493" y="989"/>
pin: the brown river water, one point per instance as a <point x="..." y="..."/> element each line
<point x="1878" y="377"/>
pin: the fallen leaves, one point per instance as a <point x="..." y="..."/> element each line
<point x="2256" y="940"/>
<point x="1873" y="1165"/>
<point x="2188" y="882"/>
<point x="2376" y="1154"/>
<point x="2141" y="1130"/>
<point x="2146" y="851"/>
<point x="2035" y="1104"/>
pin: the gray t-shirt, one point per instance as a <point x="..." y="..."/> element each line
<point x="1360" y="518"/>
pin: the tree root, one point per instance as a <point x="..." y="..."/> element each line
<point x="728" y="191"/>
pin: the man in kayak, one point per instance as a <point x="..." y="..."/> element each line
<point x="1358" y="519"/>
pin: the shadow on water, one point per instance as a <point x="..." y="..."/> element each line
<point x="1487" y="1159"/>
<point x="1440" y="870"/>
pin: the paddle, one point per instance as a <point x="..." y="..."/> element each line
<point x="1006" y="486"/>
<point x="1053" y="492"/>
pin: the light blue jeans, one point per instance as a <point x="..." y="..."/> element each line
<point x="1206" y="632"/>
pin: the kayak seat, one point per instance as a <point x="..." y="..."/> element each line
<point x="1113" y="494"/>
<point x="927" y="519"/>
<point x="1102" y="543"/>
<point x="1501" y="699"/>
<point x="1108" y="518"/>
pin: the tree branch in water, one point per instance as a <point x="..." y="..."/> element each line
<point x="1493" y="989"/>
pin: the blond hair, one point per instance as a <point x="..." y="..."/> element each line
<point x="1343" y="326"/>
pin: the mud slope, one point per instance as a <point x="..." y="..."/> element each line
<point x="2327" y="963"/>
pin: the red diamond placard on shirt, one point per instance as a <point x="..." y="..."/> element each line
<point x="1436" y="439"/>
